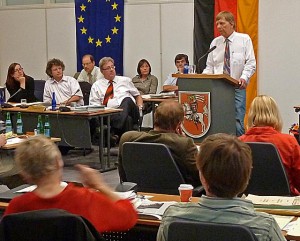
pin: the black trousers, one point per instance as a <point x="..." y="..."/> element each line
<point x="125" y="120"/>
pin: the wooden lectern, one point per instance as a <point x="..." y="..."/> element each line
<point x="222" y="100"/>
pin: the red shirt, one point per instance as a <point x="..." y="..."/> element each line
<point x="103" y="213"/>
<point x="288" y="149"/>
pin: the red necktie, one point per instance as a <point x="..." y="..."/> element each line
<point x="109" y="93"/>
<point x="226" y="68"/>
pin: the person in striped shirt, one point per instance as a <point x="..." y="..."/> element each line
<point x="224" y="164"/>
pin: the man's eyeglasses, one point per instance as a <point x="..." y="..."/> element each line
<point x="17" y="70"/>
<point x="110" y="68"/>
<point x="85" y="64"/>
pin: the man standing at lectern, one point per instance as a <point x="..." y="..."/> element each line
<point x="234" y="55"/>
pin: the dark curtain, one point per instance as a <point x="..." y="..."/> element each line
<point x="203" y="30"/>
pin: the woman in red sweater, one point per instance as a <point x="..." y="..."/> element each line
<point x="265" y="125"/>
<point x="41" y="163"/>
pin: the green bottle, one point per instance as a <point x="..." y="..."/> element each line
<point x="8" y="125"/>
<point x="40" y="127"/>
<point x="19" y="124"/>
<point x="47" y="127"/>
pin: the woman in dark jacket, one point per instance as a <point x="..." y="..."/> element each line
<point x="18" y="81"/>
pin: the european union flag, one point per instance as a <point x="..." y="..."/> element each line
<point x="100" y="30"/>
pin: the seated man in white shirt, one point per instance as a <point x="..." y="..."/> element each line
<point x="90" y="72"/>
<point x="170" y="83"/>
<point x="66" y="88"/>
<point x="124" y="95"/>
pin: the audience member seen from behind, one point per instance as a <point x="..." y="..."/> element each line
<point x="167" y="130"/>
<point x="66" y="88"/>
<point x="265" y="125"/>
<point x="18" y="81"/>
<point x="90" y="73"/>
<point x="224" y="164"/>
<point x="145" y="82"/>
<point x="170" y="83"/>
<point x="116" y="92"/>
<point x="41" y="164"/>
<point x="9" y="173"/>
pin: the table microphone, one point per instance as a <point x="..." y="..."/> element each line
<point x="6" y="105"/>
<point x="208" y="51"/>
<point x="65" y="108"/>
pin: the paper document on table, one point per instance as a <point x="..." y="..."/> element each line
<point x="282" y="221"/>
<point x="293" y="228"/>
<point x="274" y="200"/>
<point x="151" y="207"/>
<point x="14" y="140"/>
<point x="126" y="195"/>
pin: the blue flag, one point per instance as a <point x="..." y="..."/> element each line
<point x="100" y="30"/>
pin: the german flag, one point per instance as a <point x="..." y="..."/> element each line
<point x="246" y="17"/>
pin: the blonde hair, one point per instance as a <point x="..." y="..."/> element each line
<point x="228" y="16"/>
<point x="264" y="112"/>
<point x="36" y="157"/>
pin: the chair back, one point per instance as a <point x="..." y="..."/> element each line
<point x="268" y="177"/>
<point x="205" y="231"/>
<point x="39" y="89"/>
<point x="86" y="89"/>
<point x="50" y="224"/>
<point x="152" y="167"/>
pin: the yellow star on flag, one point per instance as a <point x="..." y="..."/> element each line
<point x="82" y="8"/>
<point x="114" y="30"/>
<point x="83" y="30"/>
<point x="98" y="43"/>
<point x="114" y="6"/>
<point x="89" y="1"/>
<point x="80" y="19"/>
<point x="90" y="39"/>
<point x="118" y="18"/>
<point x="108" y="39"/>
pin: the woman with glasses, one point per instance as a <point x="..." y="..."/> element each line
<point x="19" y="85"/>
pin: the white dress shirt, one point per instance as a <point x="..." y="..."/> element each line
<point x="96" y="74"/>
<point x="123" y="87"/>
<point x="242" y="58"/>
<point x="63" y="89"/>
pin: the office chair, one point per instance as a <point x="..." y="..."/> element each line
<point x="268" y="175"/>
<point x="48" y="224"/>
<point x="86" y="89"/>
<point x="39" y="89"/>
<point x="152" y="167"/>
<point x="206" y="231"/>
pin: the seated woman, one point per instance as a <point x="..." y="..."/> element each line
<point x="145" y="82"/>
<point x="40" y="163"/>
<point x="16" y="81"/>
<point x="265" y="125"/>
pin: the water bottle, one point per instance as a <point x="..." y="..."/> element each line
<point x="53" y="103"/>
<point x="186" y="69"/>
<point x="47" y="126"/>
<point x="19" y="124"/>
<point x="40" y="127"/>
<point x="8" y="126"/>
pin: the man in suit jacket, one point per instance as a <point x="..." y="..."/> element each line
<point x="167" y="130"/>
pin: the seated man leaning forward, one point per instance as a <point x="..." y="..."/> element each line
<point x="170" y="83"/>
<point x="41" y="164"/>
<point x="116" y="92"/>
<point x="66" y="88"/>
<point x="224" y="164"/>
<point x="167" y="130"/>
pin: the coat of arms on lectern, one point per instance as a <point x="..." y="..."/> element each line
<point x="197" y="114"/>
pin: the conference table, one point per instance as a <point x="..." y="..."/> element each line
<point x="146" y="229"/>
<point x="72" y="127"/>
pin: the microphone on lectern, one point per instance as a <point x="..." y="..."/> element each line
<point x="204" y="55"/>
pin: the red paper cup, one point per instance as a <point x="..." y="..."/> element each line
<point x="186" y="192"/>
